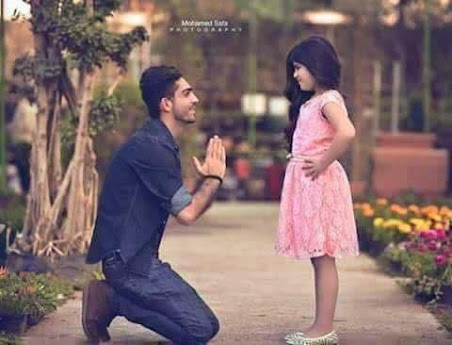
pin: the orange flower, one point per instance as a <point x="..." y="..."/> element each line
<point x="414" y="209"/>
<point x="395" y="207"/>
<point x="438" y="226"/>
<point x="3" y="271"/>
<point x="382" y="202"/>
<point x="369" y="213"/>
<point x="430" y="209"/>
<point x="444" y="211"/>
<point x="402" y="211"/>
<point x="30" y="289"/>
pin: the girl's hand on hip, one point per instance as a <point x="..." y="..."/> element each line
<point x="313" y="167"/>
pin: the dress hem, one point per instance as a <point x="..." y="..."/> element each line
<point x="318" y="254"/>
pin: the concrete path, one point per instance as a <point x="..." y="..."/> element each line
<point x="259" y="297"/>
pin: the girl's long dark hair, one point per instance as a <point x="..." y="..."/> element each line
<point x="320" y="58"/>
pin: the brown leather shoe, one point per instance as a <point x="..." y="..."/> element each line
<point x="97" y="311"/>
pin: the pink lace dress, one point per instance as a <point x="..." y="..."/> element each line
<point x="316" y="217"/>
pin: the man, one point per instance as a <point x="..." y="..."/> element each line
<point x="143" y="185"/>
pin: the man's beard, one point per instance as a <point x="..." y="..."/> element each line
<point x="179" y="117"/>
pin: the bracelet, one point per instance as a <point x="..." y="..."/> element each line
<point x="216" y="177"/>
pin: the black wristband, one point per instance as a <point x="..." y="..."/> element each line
<point x="216" y="177"/>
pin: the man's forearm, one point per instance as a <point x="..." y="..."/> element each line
<point x="204" y="196"/>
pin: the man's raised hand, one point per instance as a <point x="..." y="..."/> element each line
<point x="215" y="160"/>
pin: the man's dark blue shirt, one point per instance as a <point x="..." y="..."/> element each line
<point x="142" y="187"/>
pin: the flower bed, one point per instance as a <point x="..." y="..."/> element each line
<point x="25" y="298"/>
<point x="412" y="240"/>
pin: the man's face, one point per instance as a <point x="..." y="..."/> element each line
<point x="184" y="102"/>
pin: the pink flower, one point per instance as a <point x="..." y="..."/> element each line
<point x="432" y="245"/>
<point x="422" y="247"/>
<point x="423" y="234"/>
<point x="440" y="260"/>
<point x="431" y="234"/>
<point x="440" y="234"/>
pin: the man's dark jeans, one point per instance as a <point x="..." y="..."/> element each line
<point x="160" y="300"/>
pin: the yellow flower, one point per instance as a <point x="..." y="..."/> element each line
<point x="404" y="228"/>
<point x="382" y="201"/>
<point x="416" y="221"/>
<point x="392" y="223"/>
<point x="378" y="222"/>
<point x="422" y="227"/>
<point x="435" y="216"/>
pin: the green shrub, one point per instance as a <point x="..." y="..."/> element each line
<point x="31" y="294"/>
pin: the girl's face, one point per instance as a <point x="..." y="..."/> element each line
<point x="304" y="78"/>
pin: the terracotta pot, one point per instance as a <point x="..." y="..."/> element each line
<point x="447" y="295"/>
<point x="408" y="162"/>
<point x="358" y="187"/>
<point x="407" y="139"/>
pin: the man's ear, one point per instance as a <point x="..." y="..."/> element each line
<point x="165" y="104"/>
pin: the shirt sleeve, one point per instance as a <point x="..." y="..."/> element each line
<point x="333" y="96"/>
<point x="157" y="167"/>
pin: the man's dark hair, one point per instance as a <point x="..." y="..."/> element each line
<point x="156" y="83"/>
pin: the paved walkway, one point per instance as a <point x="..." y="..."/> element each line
<point x="259" y="297"/>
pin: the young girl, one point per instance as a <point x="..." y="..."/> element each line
<point x="316" y="218"/>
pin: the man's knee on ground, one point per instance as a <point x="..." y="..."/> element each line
<point x="215" y="326"/>
<point x="206" y="330"/>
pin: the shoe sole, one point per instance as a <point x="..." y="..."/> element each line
<point x="90" y="334"/>
<point x="298" y="341"/>
<point x="91" y="328"/>
<point x="297" y="338"/>
<point x="84" y="311"/>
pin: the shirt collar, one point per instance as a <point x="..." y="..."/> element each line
<point x="157" y="127"/>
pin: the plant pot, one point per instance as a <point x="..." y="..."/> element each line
<point x="405" y="140"/>
<point x="34" y="320"/>
<point x="446" y="296"/>
<point x="408" y="162"/>
<point x="358" y="187"/>
<point x="16" y="324"/>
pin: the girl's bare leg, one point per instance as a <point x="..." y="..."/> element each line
<point x="326" y="292"/>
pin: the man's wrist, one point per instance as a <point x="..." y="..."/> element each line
<point x="216" y="177"/>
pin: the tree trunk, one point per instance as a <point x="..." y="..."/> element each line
<point x="77" y="222"/>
